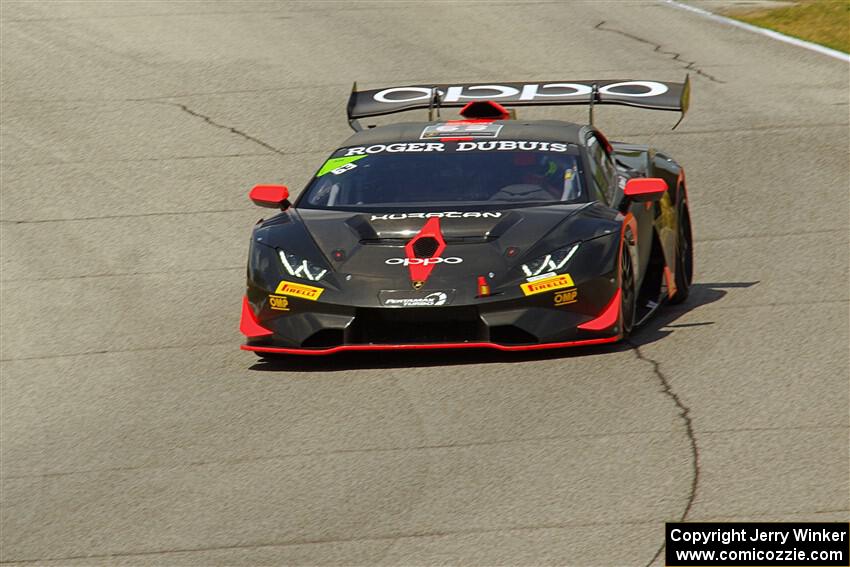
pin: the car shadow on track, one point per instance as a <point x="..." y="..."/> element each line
<point x="658" y="327"/>
<point x="663" y="323"/>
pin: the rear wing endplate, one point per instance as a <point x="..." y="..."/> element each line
<point x="654" y="95"/>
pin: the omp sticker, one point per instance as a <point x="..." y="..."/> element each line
<point x="335" y="165"/>
<point x="566" y="297"/>
<point x="299" y="290"/>
<point x="278" y="303"/>
<point x="548" y="284"/>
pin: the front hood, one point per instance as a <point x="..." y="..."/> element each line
<point x="371" y="246"/>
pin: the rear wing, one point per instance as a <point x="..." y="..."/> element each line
<point x="654" y="95"/>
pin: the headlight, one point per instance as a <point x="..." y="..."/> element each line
<point x="553" y="262"/>
<point x="301" y="268"/>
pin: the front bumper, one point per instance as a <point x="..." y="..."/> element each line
<point x="517" y="324"/>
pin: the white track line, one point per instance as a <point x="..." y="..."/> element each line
<point x="769" y="33"/>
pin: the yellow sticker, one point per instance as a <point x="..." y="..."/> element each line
<point x="566" y="297"/>
<point x="278" y="303"/>
<point x="299" y="290"/>
<point x="547" y="284"/>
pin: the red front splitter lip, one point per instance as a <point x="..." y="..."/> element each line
<point x="429" y="346"/>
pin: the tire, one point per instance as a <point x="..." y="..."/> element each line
<point x="684" y="257"/>
<point x="628" y="297"/>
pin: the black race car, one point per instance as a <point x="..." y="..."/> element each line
<point x="484" y="231"/>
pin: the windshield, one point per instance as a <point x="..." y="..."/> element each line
<point x="448" y="174"/>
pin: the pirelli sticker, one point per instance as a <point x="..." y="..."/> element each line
<point x="547" y="284"/>
<point x="300" y="291"/>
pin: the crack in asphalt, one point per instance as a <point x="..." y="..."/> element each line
<point x="332" y="452"/>
<point x="685" y="414"/>
<point x="231" y="129"/>
<point x="118" y="351"/>
<point x="690" y="65"/>
<point x="394" y="449"/>
<point x="338" y="540"/>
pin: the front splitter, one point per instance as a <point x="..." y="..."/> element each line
<point x="427" y="346"/>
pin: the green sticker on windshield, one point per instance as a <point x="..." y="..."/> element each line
<point x="337" y="163"/>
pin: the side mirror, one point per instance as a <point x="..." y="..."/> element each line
<point x="271" y="196"/>
<point x="645" y="190"/>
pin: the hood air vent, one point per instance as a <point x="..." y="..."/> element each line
<point x="425" y="247"/>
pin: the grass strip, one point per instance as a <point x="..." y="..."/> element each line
<point x="826" y="22"/>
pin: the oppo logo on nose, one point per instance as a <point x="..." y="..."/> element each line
<point x="423" y="261"/>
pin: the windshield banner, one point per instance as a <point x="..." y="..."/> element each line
<point x="483" y="146"/>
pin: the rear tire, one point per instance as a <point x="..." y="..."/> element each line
<point x="684" y="257"/>
<point x="628" y="297"/>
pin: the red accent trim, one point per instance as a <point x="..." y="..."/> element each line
<point x="421" y="271"/>
<point x="630" y="221"/>
<point x="645" y="187"/>
<point x="608" y="318"/>
<point x="457" y="139"/>
<point x="428" y="346"/>
<point x="269" y="195"/>
<point x="499" y="111"/>
<point x="614" y="307"/>
<point x="671" y="282"/>
<point x="471" y="121"/>
<point x="249" y="326"/>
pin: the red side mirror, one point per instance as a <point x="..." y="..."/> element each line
<point x="646" y="189"/>
<point x="271" y="196"/>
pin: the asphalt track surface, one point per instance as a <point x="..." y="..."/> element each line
<point x="135" y="432"/>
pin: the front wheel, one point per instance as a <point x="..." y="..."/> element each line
<point x="627" y="291"/>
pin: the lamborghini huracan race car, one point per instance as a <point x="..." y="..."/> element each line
<point x="483" y="231"/>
